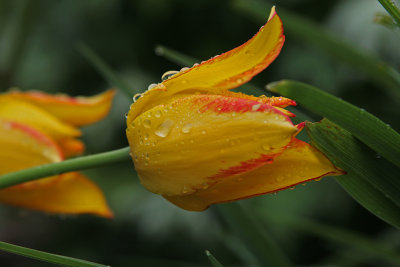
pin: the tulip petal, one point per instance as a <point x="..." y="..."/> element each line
<point x="297" y="164"/>
<point x="24" y="147"/>
<point x="33" y="116"/>
<point x="73" y="110"/>
<point x="71" y="147"/>
<point x="226" y="71"/>
<point x="192" y="142"/>
<point x="70" y="193"/>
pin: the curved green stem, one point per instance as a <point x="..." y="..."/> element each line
<point x="392" y="9"/>
<point x="51" y="169"/>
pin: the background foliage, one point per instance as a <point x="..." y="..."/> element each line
<point x="38" y="48"/>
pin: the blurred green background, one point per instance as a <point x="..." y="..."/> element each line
<point x="38" y="51"/>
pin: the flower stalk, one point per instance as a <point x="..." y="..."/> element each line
<point x="80" y="163"/>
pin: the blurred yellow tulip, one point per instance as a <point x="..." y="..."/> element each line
<point x="196" y="143"/>
<point x="38" y="128"/>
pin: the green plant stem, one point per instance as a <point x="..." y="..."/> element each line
<point x="49" y="257"/>
<point x="392" y="9"/>
<point x="214" y="262"/>
<point x="75" y="164"/>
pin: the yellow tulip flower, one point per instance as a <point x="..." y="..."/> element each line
<point x="38" y="128"/>
<point x="196" y="143"/>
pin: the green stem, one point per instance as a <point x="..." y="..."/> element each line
<point x="51" y="169"/>
<point x="392" y="9"/>
<point x="44" y="256"/>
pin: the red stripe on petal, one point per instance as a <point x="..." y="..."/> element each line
<point x="245" y="166"/>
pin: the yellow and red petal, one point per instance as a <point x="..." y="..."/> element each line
<point x="23" y="147"/>
<point x="70" y="193"/>
<point x="192" y="142"/>
<point x="226" y="71"/>
<point x="71" y="147"/>
<point x="25" y="113"/>
<point x="73" y="110"/>
<point x="297" y="164"/>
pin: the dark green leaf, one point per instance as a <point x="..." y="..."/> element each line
<point x="214" y="262"/>
<point x="48" y="257"/>
<point x="363" y="125"/>
<point x="373" y="182"/>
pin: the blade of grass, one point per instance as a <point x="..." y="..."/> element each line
<point x="363" y="125"/>
<point x="104" y="69"/>
<point x="48" y="257"/>
<point x="250" y="231"/>
<point x="351" y="239"/>
<point x="79" y="163"/>
<point x="214" y="262"/>
<point x="385" y="76"/>
<point x="373" y="182"/>
<point x="392" y="9"/>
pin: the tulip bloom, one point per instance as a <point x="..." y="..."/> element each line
<point x="196" y="143"/>
<point x="37" y="128"/>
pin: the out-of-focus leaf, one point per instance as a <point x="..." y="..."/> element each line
<point x="104" y="69"/>
<point x="303" y="29"/>
<point x="373" y="182"/>
<point x="48" y="257"/>
<point x="363" y="125"/>
<point x="385" y="20"/>
<point x="214" y="262"/>
<point x="254" y="236"/>
<point x="392" y="9"/>
<point x="353" y="240"/>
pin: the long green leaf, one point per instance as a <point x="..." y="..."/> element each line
<point x="392" y="9"/>
<point x="48" y="257"/>
<point x="354" y="240"/>
<point x="214" y="262"/>
<point x="373" y="182"/>
<point x="365" y="126"/>
<point x="385" y="76"/>
<point x="253" y="234"/>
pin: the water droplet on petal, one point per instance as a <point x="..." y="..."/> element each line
<point x="136" y="97"/>
<point x="146" y="123"/>
<point x="255" y="107"/>
<point x="157" y="114"/>
<point x="186" y="128"/>
<point x="168" y="74"/>
<point x="240" y="80"/>
<point x="164" y="128"/>
<point x="279" y="178"/>
<point x="184" y="69"/>
<point x="267" y="147"/>
<point x="185" y="190"/>
<point x="151" y="86"/>
<point x="203" y="132"/>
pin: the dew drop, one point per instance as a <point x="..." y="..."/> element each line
<point x="184" y="69"/>
<point x="126" y="115"/>
<point x="151" y="86"/>
<point x="279" y="178"/>
<point x="146" y="123"/>
<point x="157" y="114"/>
<point x="146" y="136"/>
<point x="267" y="147"/>
<point x="164" y="128"/>
<point x="203" y="132"/>
<point x="136" y="97"/>
<point x="240" y="80"/>
<point x="168" y="74"/>
<point x="255" y="107"/>
<point x="186" y="128"/>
